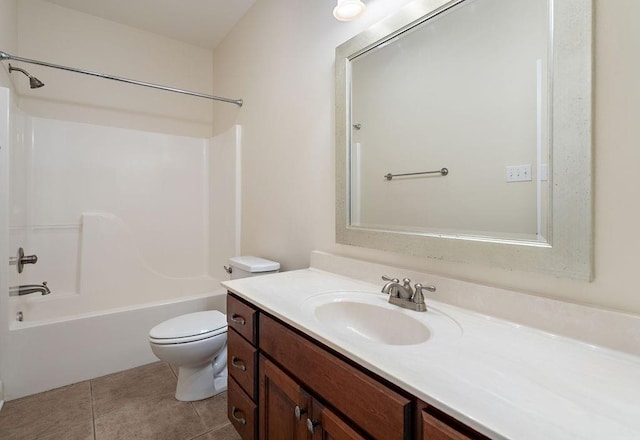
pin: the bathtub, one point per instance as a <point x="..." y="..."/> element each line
<point x="142" y="238"/>
<point x="50" y="353"/>
<point x="100" y="324"/>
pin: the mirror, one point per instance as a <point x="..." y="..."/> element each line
<point x="463" y="132"/>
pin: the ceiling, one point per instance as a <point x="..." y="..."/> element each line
<point x="202" y="23"/>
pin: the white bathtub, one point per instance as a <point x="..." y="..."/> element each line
<point x="49" y="353"/>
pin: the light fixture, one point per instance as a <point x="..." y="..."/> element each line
<point x="347" y="10"/>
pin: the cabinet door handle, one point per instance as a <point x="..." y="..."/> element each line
<point x="238" y="363"/>
<point x="238" y="319"/>
<point x="299" y="412"/>
<point x="311" y="425"/>
<point x="240" y="420"/>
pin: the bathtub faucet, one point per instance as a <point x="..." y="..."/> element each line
<point x="26" y="289"/>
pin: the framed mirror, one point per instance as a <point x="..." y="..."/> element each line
<point x="463" y="132"/>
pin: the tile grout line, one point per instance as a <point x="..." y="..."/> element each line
<point x="93" y="415"/>
<point x="193" y="407"/>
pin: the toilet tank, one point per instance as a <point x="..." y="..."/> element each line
<point x="247" y="266"/>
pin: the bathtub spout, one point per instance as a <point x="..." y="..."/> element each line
<point x="26" y="289"/>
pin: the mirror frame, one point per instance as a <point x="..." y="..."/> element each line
<point x="568" y="252"/>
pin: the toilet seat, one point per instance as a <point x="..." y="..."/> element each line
<point x="189" y="328"/>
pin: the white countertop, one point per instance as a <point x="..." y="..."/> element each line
<point x="505" y="380"/>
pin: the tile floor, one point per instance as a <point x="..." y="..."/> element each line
<point x="134" y="404"/>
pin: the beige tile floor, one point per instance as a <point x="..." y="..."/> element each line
<point x="134" y="404"/>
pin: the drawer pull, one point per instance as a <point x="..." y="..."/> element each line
<point x="238" y="319"/>
<point x="299" y="412"/>
<point x="237" y="363"/>
<point x="311" y="425"/>
<point x="240" y="420"/>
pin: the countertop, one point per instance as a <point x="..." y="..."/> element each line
<point x="505" y="380"/>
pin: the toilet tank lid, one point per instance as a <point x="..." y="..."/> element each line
<point x="191" y="324"/>
<point x="254" y="264"/>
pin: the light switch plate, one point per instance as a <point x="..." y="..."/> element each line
<point x="519" y="173"/>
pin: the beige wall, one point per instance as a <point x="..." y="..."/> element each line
<point x="58" y="35"/>
<point x="8" y="35"/>
<point x="280" y="59"/>
<point x="8" y="42"/>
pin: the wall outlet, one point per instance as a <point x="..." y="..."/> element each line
<point x="519" y="173"/>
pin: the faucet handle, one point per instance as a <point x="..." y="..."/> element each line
<point x="418" y="297"/>
<point x="393" y="280"/>
<point x="420" y="287"/>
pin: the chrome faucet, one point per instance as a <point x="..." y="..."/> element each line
<point x="404" y="296"/>
<point x="397" y="290"/>
<point x="26" y="289"/>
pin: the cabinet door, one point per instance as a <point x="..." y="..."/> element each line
<point x="324" y="424"/>
<point x="284" y="406"/>
<point x="434" y="428"/>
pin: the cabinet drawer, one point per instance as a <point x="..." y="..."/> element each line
<point x="242" y="360"/>
<point x="242" y="412"/>
<point x="377" y="409"/>
<point x="242" y="318"/>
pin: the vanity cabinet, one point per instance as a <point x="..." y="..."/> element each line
<point x="283" y="404"/>
<point x="283" y="384"/>
<point x="287" y="410"/>
<point x="435" y="425"/>
<point x="242" y="357"/>
<point x="369" y="405"/>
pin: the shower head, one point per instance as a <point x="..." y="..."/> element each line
<point x="34" y="82"/>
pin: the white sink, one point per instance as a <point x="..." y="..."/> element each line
<point x="368" y="317"/>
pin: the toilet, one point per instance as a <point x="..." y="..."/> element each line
<point x="196" y="343"/>
<point x="247" y="266"/>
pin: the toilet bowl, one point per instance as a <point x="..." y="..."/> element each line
<point x="195" y="343"/>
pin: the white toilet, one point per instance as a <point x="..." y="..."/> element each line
<point x="196" y="343"/>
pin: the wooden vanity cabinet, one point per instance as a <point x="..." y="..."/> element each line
<point x="330" y="426"/>
<point x="285" y="385"/>
<point x="242" y="366"/>
<point x="433" y="424"/>
<point x="242" y="318"/>
<point x="287" y="410"/>
<point x="367" y="404"/>
<point x="283" y="404"/>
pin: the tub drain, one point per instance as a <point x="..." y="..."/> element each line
<point x="19" y="316"/>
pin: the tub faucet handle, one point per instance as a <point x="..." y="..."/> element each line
<point x="21" y="259"/>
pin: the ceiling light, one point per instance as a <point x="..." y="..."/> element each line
<point x="347" y="10"/>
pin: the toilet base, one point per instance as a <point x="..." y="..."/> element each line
<point x="199" y="383"/>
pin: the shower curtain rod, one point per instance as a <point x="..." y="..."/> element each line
<point x="6" y="56"/>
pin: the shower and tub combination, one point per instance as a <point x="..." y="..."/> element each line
<point x="124" y="227"/>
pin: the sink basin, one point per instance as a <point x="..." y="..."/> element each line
<point x="368" y="317"/>
<point x="370" y="322"/>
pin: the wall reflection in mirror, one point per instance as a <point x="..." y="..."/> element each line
<point x="467" y="90"/>
<point x="497" y="92"/>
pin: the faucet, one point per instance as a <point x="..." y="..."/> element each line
<point x="404" y="296"/>
<point x="26" y="289"/>
<point x="397" y="290"/>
